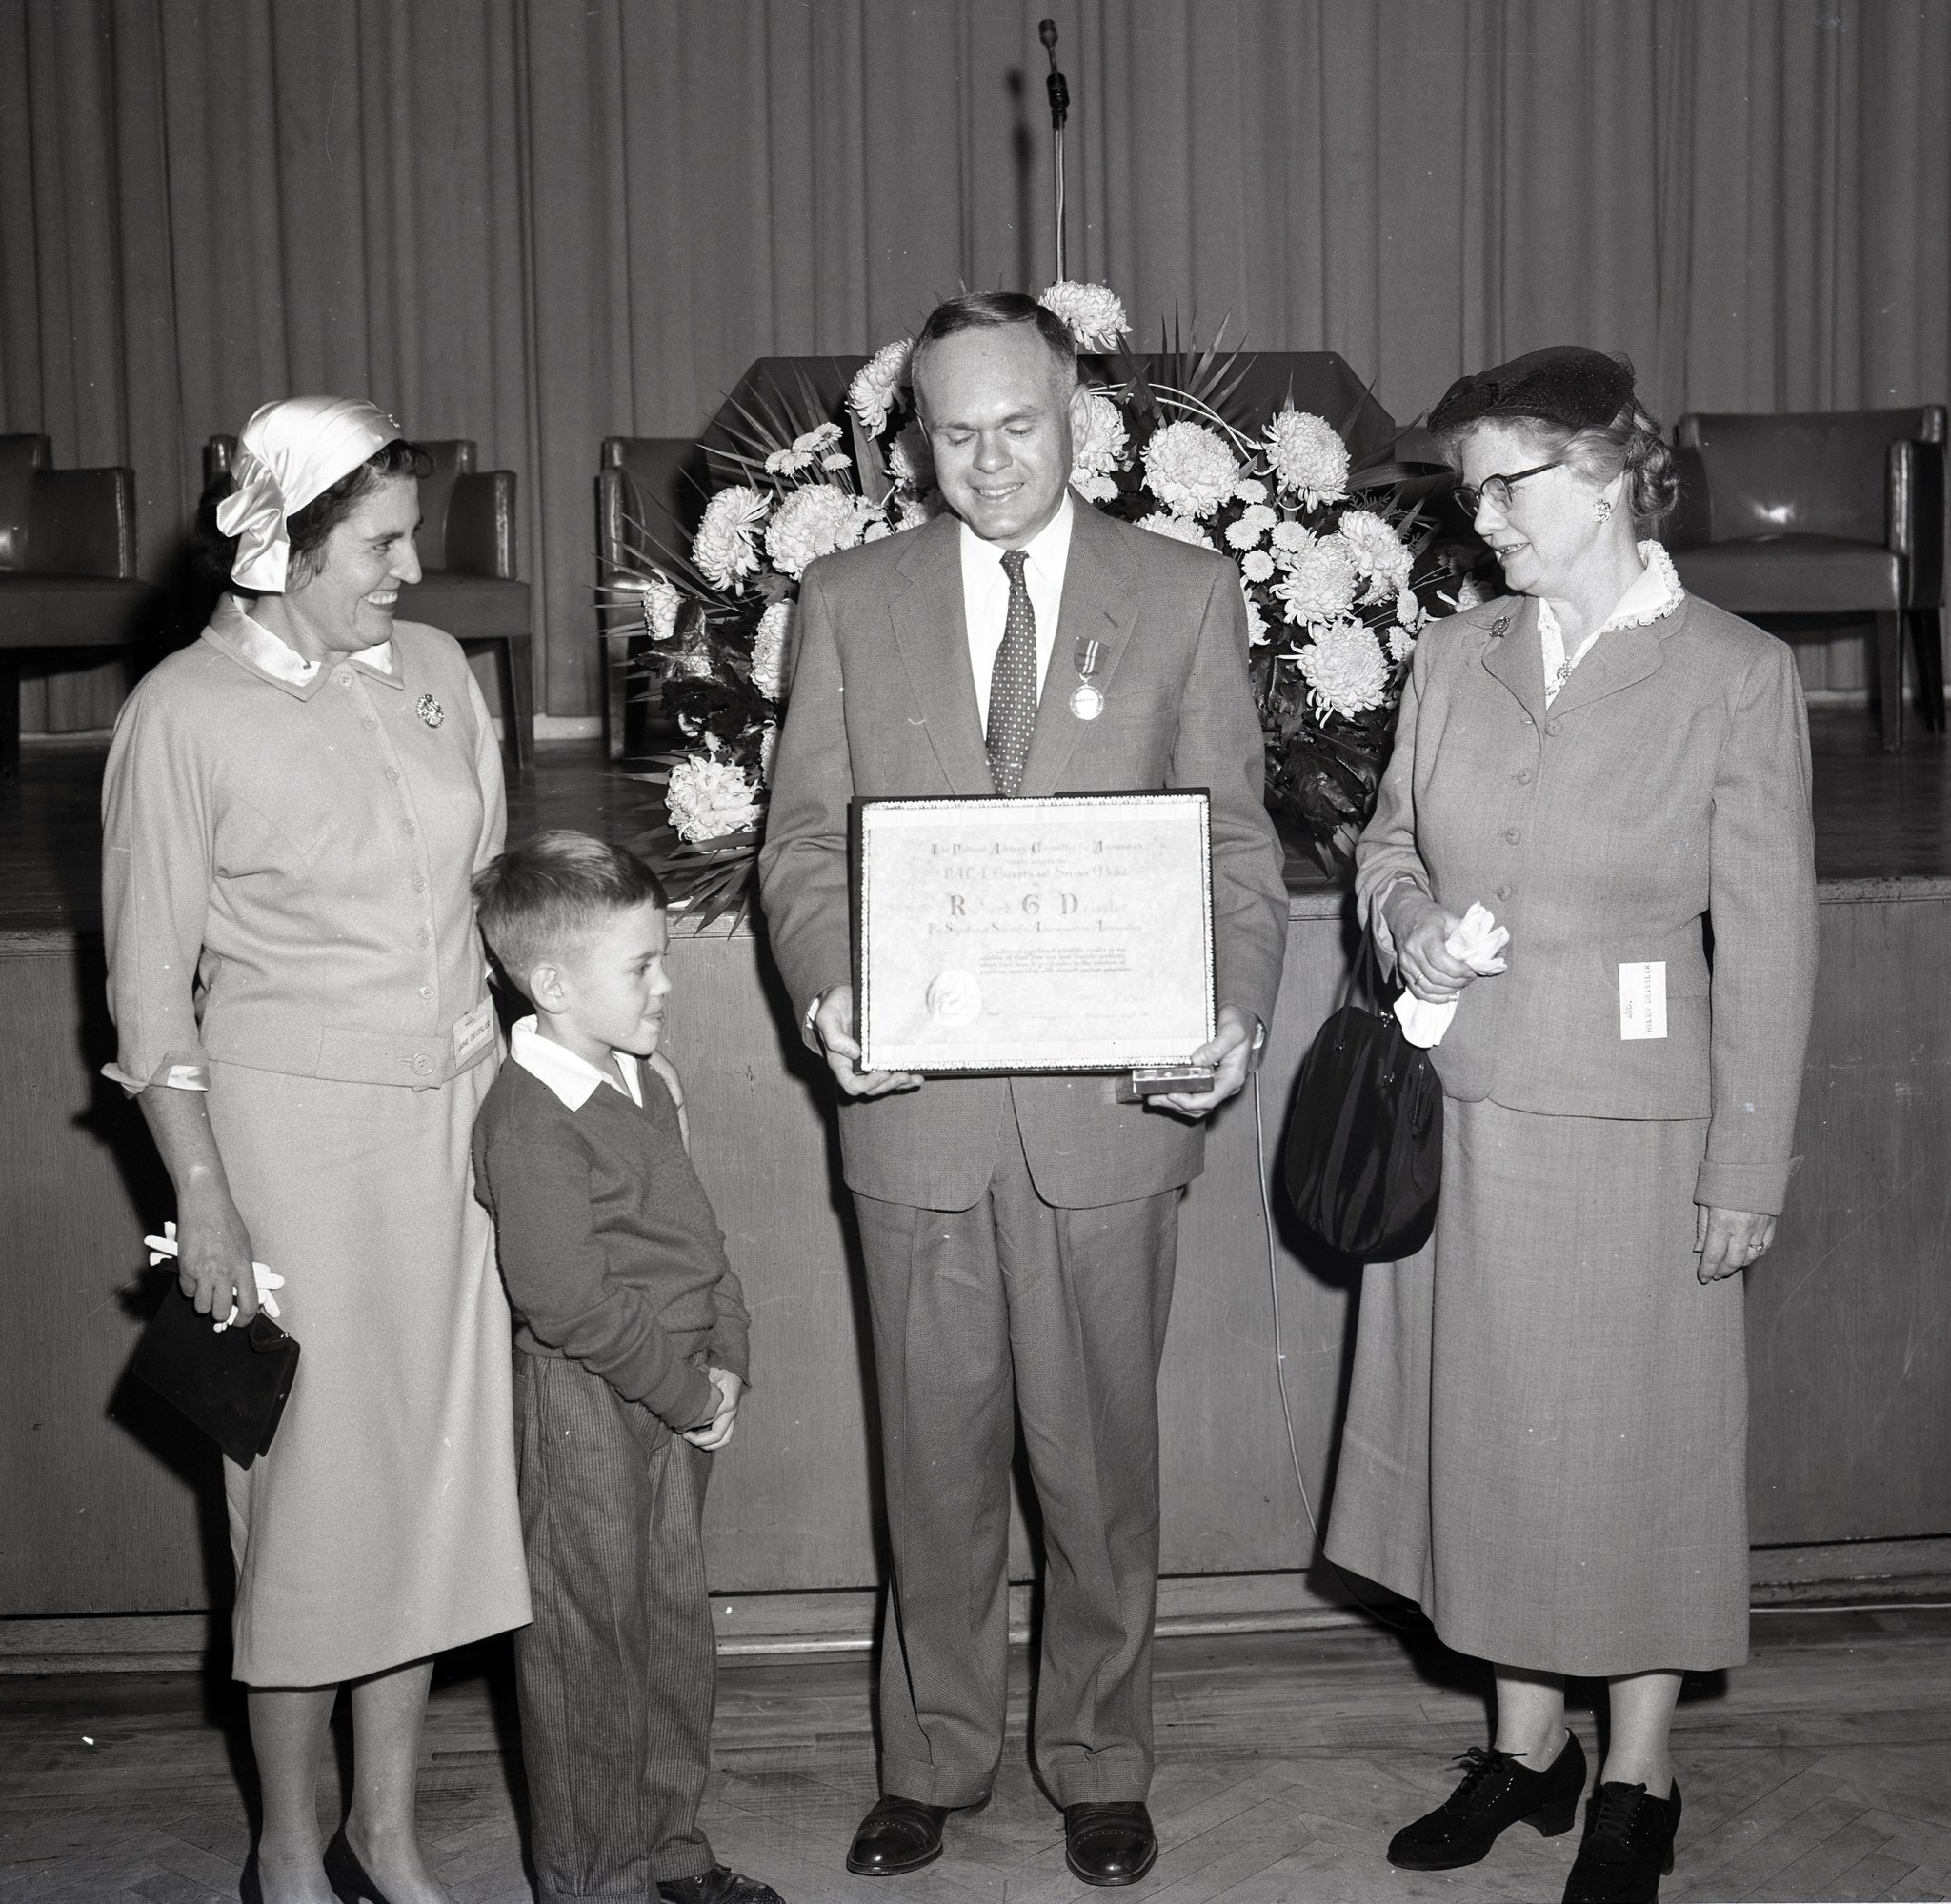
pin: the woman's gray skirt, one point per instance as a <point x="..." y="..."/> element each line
<point x="1547" y="1434"/>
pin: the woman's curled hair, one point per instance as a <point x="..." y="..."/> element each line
<point x="309" y="528"/>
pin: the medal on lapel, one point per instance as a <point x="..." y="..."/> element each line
<point x="1087" y="698"/>
<point x="431" y="711"/>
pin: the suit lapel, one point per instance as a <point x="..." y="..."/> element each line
<point x="1516" y="655"/>
<point x="1101" y="604"/>
<point x="1616" y="660"/>
<point x="932" y="633"/>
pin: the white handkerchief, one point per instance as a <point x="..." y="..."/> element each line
<point x="1477" y="941"/>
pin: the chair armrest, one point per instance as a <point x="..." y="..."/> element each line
<point x="1691" y="524"/>
<point x="1915" y="497"/>
<point x="82" y="522"/>
<point x="480" y="526"/>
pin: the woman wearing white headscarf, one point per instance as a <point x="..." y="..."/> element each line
<point x="292" y="810"/>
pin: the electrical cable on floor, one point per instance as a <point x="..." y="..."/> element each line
<point x="1307" y="1505"/>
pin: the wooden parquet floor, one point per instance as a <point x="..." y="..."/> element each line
<point x="1819" y="1771"/>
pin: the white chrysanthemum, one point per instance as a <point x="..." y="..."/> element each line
<point x="767" y="746"/>
<point x="878" y="526"/>
<point x="913" y="511"/>
<point x="707" y="799"/>
<point x="1101" y="444"/>
<point x="1469" y="595"/>
<point x="1255" y="521"/>
<point x="837" y="461"/>
<point x="877" y="384"/>
<point x="1344" y="670"/>
<point x="1257" y="631"/>
<point x="1096" y="318"/>
<point x="1306" y="457"/>
<point x="1401" y="643"/>
<point x="1256" y="565"/>
<point x="1180" y="527"/>
<point x="788" y="462"/>
<point x="1190" y="468"/>
<point x="806" y="450"/>
<point x="812" y="521"/>
<point x="769" y="650"/>
<point x="661" y="604"/>
<point x="1410" y="611"/>
<point x="1290" y="539"/>
<point x="1095" y="488"/>
<point x="1251" y="492"/>
<point x="1377" y="551"/>
<point x="726" y="546"/>
<point x="1319" y="586"/>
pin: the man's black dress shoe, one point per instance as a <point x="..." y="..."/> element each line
<point x="1109" y="1844"/>
<point x="1496" y="1791"/>
<point x="898" y="1834"/>
<point x="1628" y="1846"/>
<point x="717" y="1885"/>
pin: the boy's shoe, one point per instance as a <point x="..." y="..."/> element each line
<point x="1498" y="1790"/>
<point x="717" y="1885"/>
<point x="1628" y="1846"/>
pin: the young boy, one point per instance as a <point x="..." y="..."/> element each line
<point x="631" y="1337"/>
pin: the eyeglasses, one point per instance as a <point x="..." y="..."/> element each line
<point x="1496" y="490"/>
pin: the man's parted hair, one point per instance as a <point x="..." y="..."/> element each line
<point x="554" y="892"/>
<point x="992" y="310"/>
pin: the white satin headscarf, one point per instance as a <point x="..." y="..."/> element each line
<point x="289" y="454"/>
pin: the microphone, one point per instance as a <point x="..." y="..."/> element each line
<point x="1055" y="85"/>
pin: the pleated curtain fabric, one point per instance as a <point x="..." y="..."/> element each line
<point x="538" y="223"/>
<point x="1013" y="684"/>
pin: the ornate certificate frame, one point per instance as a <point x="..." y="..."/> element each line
<point x="1070" y="934"/>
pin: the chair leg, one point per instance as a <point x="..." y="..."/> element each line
<point x="1928" y="646"/>
<point x="519" y="650"/>
<point x="1890" y="679"/>
<point x="10" y="722"/>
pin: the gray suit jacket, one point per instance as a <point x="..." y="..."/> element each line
<point x="883" y="704"/>
<point x="1667" y="786"/>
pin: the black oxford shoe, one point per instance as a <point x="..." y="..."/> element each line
<point x="717" y="1885"/>
<point x="1109" y="1844"/>
<point x="898" y="1834"/>
<point x="1498" y="1790"/>
<point x="1628" y="1846"/>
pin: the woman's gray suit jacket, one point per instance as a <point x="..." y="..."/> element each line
<point x="1658" y="808"/>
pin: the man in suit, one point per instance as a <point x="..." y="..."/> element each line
<point x="1019" y="1235"/>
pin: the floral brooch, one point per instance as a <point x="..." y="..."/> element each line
<point x="431" y="711"/>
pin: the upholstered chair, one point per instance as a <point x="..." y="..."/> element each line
<point x="67" y="583"/>
<point x="1829" y="514"/>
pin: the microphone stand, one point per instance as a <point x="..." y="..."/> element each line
<point x="1059" y="109"/>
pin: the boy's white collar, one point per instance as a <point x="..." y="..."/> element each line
<point x="573" y="1079"/>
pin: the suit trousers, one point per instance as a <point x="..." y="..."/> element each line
<point x="615" y="1677"/>
<point x="1016" y="1306"/>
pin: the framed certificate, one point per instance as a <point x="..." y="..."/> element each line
<point x="1068" y="933"/>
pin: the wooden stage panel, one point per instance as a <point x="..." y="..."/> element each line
<point x="1849" y="1324"/>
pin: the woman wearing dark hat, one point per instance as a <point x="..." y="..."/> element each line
<point x="1547" y="1433"/>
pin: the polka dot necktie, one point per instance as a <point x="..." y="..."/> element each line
<point x="1012" y="684"/>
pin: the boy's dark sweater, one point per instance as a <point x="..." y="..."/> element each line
<point x="609" y="1247"/>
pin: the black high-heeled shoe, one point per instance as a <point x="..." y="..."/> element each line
<point x="1498" y="1790"/>
<point x="347" y="1875"/>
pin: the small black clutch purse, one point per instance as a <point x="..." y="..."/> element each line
<point x="1364" y="1154"/>
<point x="233" y="1383"/>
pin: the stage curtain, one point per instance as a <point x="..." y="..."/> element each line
<point x="538" y="221"/>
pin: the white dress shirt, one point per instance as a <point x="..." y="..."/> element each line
<point x="986" y="596"/>
<point x="1652" y="598"/>
<point x="575" y="1081"/>
<point x="279" y="658"/>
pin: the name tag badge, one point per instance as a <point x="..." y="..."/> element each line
<point x="1642" y="999"/>
<point x="473" y="1034"/>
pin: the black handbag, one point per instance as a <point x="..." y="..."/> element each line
<point x="1364" y="1151"/>
<point x="233" y="1383"/>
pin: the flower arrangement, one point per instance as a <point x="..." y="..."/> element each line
<point x="1336" y="572"/>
